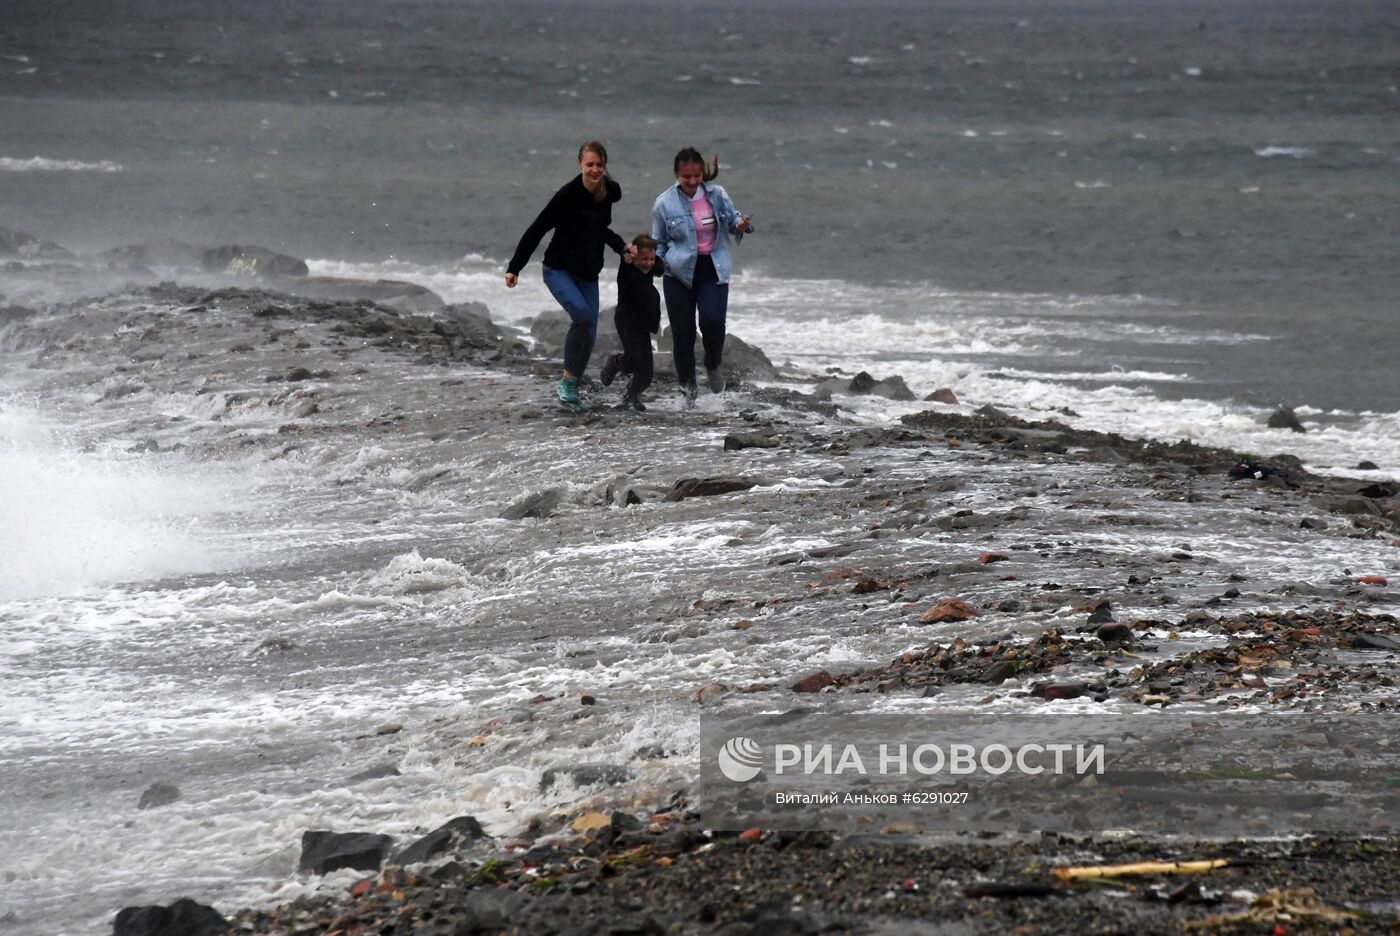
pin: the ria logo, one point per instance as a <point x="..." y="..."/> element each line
<point x="741" y="759"/>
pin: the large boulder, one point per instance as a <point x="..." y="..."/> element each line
<point x="708" y="487"/>
<point x="1285" y="418"/>
<point x="170" y="254"/>
<point x="863" y="384"/>
<point x="184" y="917"/>
<point x="549" y="328"/>
<point x="249" y="261"/>
<point x="586" y="775"/>
<point x="472" y="321"/>
<point x="450" y="836"/>
<point x="537" y="506"/>
<point x="742" y="361"/>
<point x="323" y="852"/>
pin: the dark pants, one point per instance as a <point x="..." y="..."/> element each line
<point x="711" y="298"/>
<point x="636" y="358"/>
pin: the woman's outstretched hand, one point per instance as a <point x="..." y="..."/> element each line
<point x="630" y="253"/>
<point x="511" y="280"/>
<point x="744" y="226"/>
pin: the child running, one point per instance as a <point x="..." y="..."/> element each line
<point x="638" y="317"/>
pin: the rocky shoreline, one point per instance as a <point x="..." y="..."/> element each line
<point x="610" y="865"/>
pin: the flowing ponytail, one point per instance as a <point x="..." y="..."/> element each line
<point x="709" y="171"/>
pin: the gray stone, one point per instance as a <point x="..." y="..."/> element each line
<point x="323" y="852"/>
<point x="550" y="328"/>
<point x="157" y="795"/>
<point x="893" y="388"/>
<point x="184" y="917"/>
<point x="257" y="262"/>
<point x="453" y="834"/>
<point x="708" y="487"/>
<point x="539" y="506"/>
<point x="586" y="775"/>
<point x="742" y="440"/>
<point x="1285" y="418"/>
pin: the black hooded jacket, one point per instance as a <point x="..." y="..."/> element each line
<point x="581" y="228"/>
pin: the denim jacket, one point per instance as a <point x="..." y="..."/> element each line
<point x="673" y="226"/>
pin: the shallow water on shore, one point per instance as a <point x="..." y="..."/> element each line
<point x="304" y="580"/>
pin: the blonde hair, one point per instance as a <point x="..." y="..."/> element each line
<point x="595" y="146"/>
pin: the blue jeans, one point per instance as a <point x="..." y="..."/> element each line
<point x="711" y="298"/>
<point x="580" y="299"/>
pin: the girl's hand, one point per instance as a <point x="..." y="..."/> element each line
<point x="511" y="280"/>
<point x="630" y="253"/>
<point x="744" y="226"/>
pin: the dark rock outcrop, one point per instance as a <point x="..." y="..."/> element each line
<point x="538" y="506"/>
<point x="1285" y="418"/>
<point x="586" y="775"/>
<point x="395" y="294"/>
<point x="708" y="487"/>
<point x="184" y="917"/>
<point x="451" y="835"/>
<point x="323" y="851"/>
<point x="158" y="794"/>
<point x="257" y="262"/>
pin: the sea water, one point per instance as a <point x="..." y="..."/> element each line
<point x="1137" y="217"/>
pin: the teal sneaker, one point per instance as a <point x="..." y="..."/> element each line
<point x="568" y="390"/>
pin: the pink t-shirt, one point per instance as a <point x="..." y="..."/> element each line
<point x="704" y="216"/>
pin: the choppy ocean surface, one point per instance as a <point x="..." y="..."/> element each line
<point x="1141" y="217"/>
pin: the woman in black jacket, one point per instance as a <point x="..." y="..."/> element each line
<point x="579" y="214"/>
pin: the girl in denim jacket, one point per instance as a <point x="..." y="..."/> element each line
<point x="691" y="223"/>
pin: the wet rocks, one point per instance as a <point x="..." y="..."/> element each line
<point x="814" y="682"/>
<point x="861" y="584"/>
<point x="742" y="361"/>
<point x="620" y="492"/>
<point x="893" y="387"/>
<point x="538" y="506"/>
<point x="549" y="330"/>
<point x="863" y="384"/>
<point x="736" y="441"/>
<point x="1101" y="612"/>
<point x="251" y="261"/>
<point x="585" y="775"/>
<point x="1114" y="633"/>
<point x="942" y="395"/>
<point x="158" y="794"/>
<point x="949" y="609"/>
<point x="708" y="487"/>
<point x="1056" y="691"/>
<point x="1284" y="418"/>
<point x="323" y="851"/>
<point x="451" y="836"/>
<point x="1364" y="641"/>
<point x="184" y="917"/>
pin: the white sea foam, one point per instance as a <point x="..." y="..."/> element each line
<point x="411" y="574"/>
<point x="978" y="343"/>
<point x="1295" y="152"/>
<point x="44" y="164"/>
<point x="76" y="520"/>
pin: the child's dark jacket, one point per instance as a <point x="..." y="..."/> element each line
<point x="638" y="302"/>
